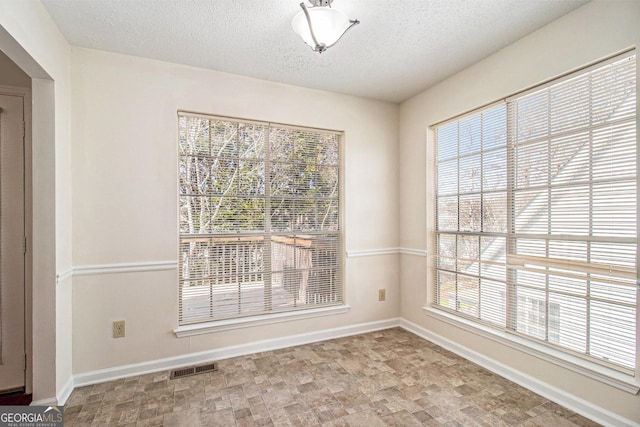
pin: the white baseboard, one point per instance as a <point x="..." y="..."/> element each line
<point x="550" y="392"/>
<point x="118" y="372"/>
<point x="51" y="401"/>
<point x="64" y="394"/>
<point x="61" y="396"/>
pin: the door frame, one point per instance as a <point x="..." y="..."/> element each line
<point x="25" y="93"/>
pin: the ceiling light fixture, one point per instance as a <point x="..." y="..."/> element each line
<point x="321" y="26"/>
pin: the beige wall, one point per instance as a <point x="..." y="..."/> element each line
<point x="597" y="30"/>
<point x="125" y="204"/>
<point x="29" y="37"/>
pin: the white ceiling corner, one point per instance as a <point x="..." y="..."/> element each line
<point x="400" y="48"/>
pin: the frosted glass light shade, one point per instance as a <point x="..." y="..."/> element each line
<point x="328" y="26"/>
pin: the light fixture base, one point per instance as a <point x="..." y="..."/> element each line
<point x="320" y="3"/>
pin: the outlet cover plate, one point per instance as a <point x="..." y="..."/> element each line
<point x="118" y="329"/>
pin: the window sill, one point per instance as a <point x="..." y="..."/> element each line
<point x="576" y="364"/>
<point x="265" y="319"/>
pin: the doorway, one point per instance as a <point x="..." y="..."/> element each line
<point x="12" y="244"/>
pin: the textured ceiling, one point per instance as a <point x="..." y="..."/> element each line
<point x="400" y="48"/>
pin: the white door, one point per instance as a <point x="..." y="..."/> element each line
<point x="12" y="244"/>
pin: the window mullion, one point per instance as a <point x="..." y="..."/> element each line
<point x="211" y="282"/>
<point x="482" y="225"/>
<point x="588" y="243"/>
<point x="510" y="297"/>
<point x="637" y="366"/>
<point x="549" y="215"/>
<point x="267" y="277"/>
<point x="457" y="304"/>
<point x="236" y="248"/>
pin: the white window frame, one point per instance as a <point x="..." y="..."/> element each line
<point x="302" y="311"/>
<point x="623" y="379"/>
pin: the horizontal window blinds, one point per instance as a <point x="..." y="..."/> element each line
<point x="259" y="218"/>
<point x="471" y="214"/>
<point x="538" y="232"/>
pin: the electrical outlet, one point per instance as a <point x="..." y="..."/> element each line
<point x="118" y="329"/>
<point x="382" y="294"/>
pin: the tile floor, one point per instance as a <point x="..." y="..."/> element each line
<point x="385" y="378"/>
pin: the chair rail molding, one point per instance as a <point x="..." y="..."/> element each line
<point x="129" y="267"/>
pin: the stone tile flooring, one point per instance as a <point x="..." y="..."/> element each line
<point x="385" y="378"/>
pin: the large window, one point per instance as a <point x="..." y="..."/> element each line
<point x="536" y="214"/>
<point x="259" y="213"/>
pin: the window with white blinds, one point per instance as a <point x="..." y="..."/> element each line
<point x="259" y="213"/>
<point x="536" y="214"/>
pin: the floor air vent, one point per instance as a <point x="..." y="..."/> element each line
<point x="193" y="370"/>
